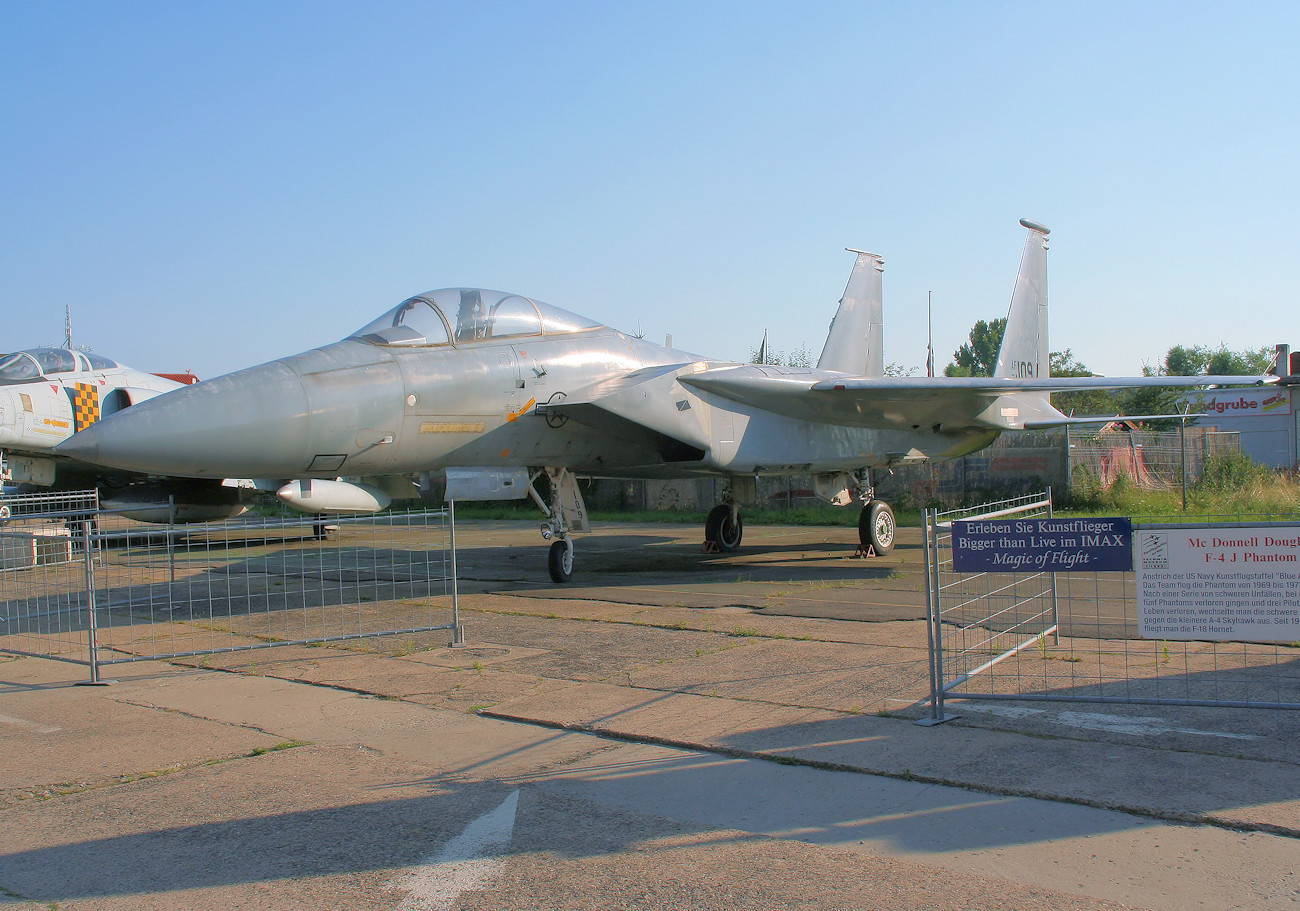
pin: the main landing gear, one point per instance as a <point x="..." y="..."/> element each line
<point x="876" y="524"/>
<point x="876" y="528"/>
<point x="723" y="528"/>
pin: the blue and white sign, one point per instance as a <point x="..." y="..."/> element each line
<point x="1042" y="545"/>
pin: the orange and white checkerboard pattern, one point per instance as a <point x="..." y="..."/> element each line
<point x="85" y="405"/>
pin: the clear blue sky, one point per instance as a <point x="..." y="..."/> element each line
<point x="213" y="185"/>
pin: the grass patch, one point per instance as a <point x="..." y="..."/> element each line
<point x="1230" y="485"/>
<point x="282" y="745"/>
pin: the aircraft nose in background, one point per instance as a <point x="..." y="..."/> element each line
<point x="252" y="423"/>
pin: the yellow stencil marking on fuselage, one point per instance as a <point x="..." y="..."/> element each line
<point x="451" y="427"/>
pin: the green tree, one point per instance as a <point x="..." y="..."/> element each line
<point x="1153" y="400"/>
<point x="1197" y="360"/>
<point x="978" y="356"/>
<point x="1183" y="361"/>
<point x="1084" y="402"/>
<point x="1193" y="360"/>
<point x="1247" y="362"/>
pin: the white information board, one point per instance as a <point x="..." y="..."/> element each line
<point x="1224" y="583"/>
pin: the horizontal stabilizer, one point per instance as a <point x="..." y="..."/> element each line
<point x="913" y="402"/>
<point x="1095" y="419"/>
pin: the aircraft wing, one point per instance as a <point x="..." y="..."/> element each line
<point x="1003" y="403"/>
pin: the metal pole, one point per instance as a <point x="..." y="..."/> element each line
<point x="933" y="630"/>
<point x="171" y="546"/>
<point x="1182" y="447"/>
<point x="457" y="634"/>
<point x="92" y="621"/>
<point x="1056" y="611"/>
<point x="929" y="614"/>
<point x="1069" y="466"/>
<point x="942" y="714"/>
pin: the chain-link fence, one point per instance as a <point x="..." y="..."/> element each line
<point x="43" y="572"/>
<point x="1075" y="636"/>
<point x="1016" y="464"/>
<point x="1150" y="459"/>
<point x="132" y="592"/>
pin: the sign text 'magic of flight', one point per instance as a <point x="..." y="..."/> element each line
<point x="1042" y="545"/>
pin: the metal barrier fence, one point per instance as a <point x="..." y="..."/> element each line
<point x="976" y="621"/>
<point x="43" y="571"/>
<point x="1075" y="636"/>
<point x="135" y="592"/>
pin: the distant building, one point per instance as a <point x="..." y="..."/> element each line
<point x="1264" y="418"/>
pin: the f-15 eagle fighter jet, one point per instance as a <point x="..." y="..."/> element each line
<point x="491" y="390"/>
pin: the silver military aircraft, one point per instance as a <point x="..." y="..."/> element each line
<point x="46" y="394"/>
<point x="494" y="390"/>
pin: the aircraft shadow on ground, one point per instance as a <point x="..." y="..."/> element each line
<point x="651" y="560"/>
<point x="1149" y="706"/>
<point x="616" y="801"/>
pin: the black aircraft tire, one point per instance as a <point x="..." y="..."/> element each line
<point x="722" y="531"/>
<point x="560" y="562"/>
<point x="877" y="527"/>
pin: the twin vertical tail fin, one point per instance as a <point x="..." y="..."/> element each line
<point x="1024" y="351"/>
<point x="855" y="344"/>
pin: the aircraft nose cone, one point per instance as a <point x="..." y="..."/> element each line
<point x="252" y="423"/>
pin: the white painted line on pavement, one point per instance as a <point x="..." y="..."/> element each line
<point x="1115" y="724"/>
<point x="471" y="860"/>
<point x="29" y="725"/>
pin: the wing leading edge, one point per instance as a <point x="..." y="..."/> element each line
<point x="1002" y="403"/>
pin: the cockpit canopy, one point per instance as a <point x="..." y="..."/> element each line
<point x="32" y="364"/>
<point x="465" y="315"/>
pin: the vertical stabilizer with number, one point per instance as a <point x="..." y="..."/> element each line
<point x="1024" y="351"/>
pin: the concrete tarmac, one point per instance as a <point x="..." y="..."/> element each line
<point x="672" y="730"/>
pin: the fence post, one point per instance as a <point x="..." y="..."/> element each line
<point x="457" y="632"/>
<point x="171" y="541"/>
<point x="1056" y="609"/>
<point x="92" y="621"/>
<point x="1182" y="449"/>
<point x="933" y="628"/>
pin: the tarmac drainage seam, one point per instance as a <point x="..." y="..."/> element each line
<point x="257" y="751"/>
<point x="674" y="628"/>
<point x="71" y="789"/>
<point x="1195" y="819"/>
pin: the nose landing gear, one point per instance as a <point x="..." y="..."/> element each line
<point x="565" y="514"/>
<point x="560" y="560"/>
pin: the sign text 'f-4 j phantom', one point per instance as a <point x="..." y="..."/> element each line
<point x="492" y="390"/>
